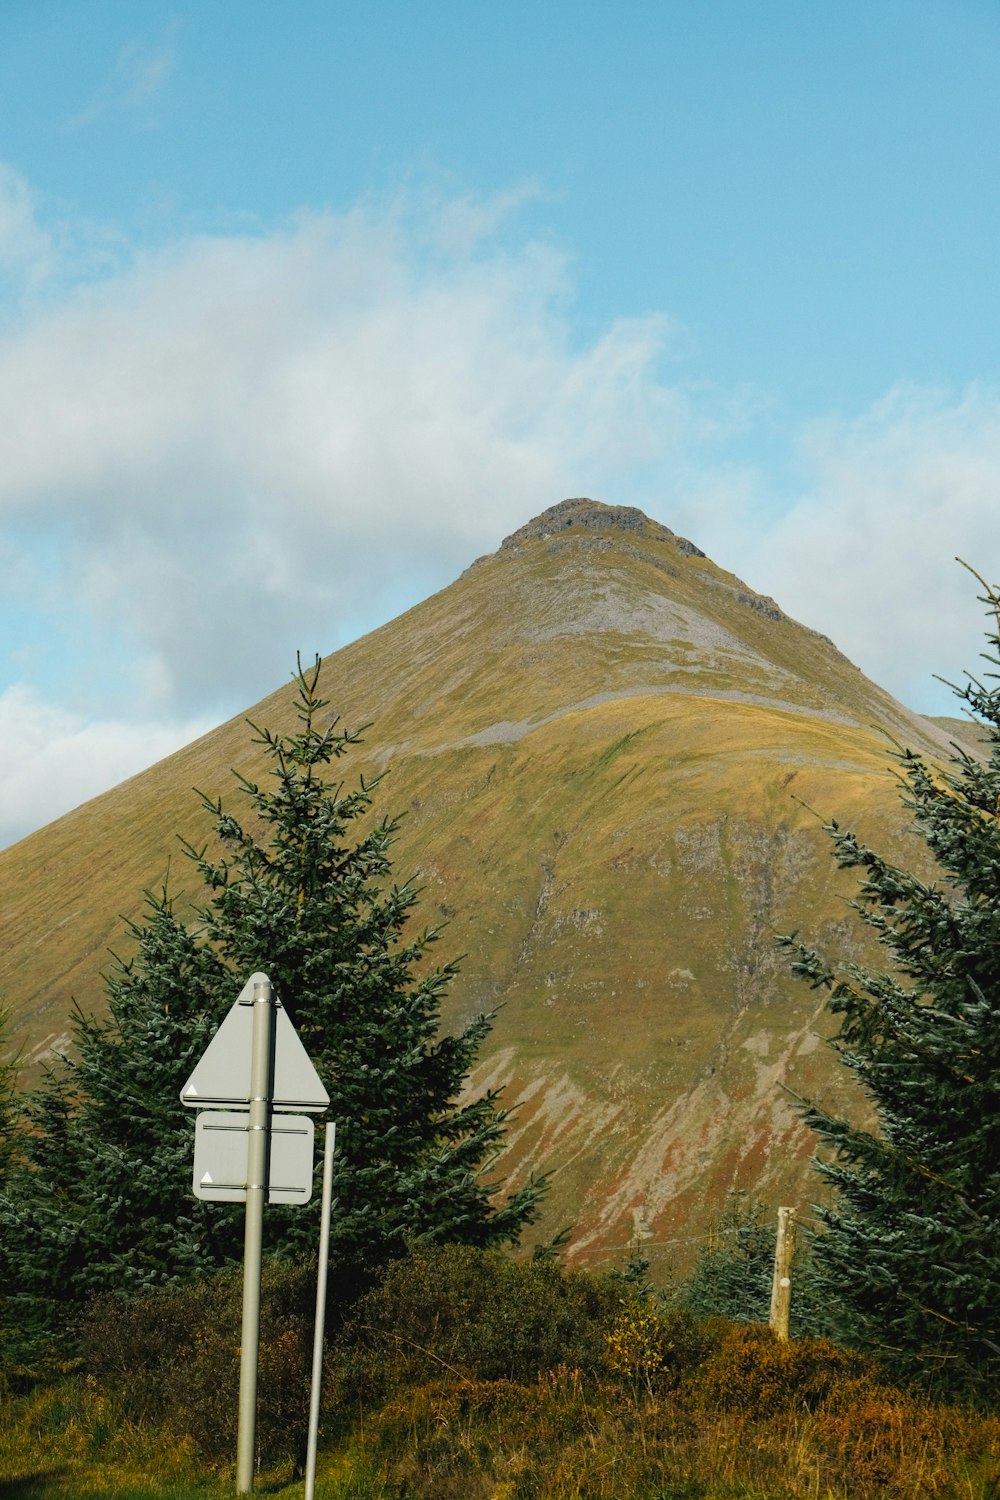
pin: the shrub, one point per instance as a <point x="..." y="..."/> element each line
<point x="456" y="1310"/>
<point x="651" y="1349"/>
<point x="172" y="1357"/>
<point x="877" y="1439"/>
<point x="481" y="1440"/>
<point x="756" y="1374"/>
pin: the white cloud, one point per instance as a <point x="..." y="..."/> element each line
<point x="25" y="248"/>
<point x="54" y="760"/>
<point x="253" y="440"/>
<point x="867" y="553"/>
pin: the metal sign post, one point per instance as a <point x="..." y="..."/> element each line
<point x="261" y="1086"/>
<point x="317" y="1365"/>
<point x="254" y="1065"/>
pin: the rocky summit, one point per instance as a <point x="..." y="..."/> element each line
<point x="611" y="755"/>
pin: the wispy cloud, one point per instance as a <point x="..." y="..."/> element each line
<point x="866" y="552"/>
<point x="136" y="80"/>
<point x="26" y="249"/>
<point x="54" y="759"/>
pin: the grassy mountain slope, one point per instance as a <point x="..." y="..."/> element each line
<point x="607" y="750"/>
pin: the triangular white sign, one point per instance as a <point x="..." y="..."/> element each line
<point x="223" y="1074"/>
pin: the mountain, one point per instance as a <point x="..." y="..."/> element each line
<point x="608" y="751"/>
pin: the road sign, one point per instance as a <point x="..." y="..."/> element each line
<point x="221" y="1146"/>
<point x="252" y="1155"/>
<point x="222" y="1077"/>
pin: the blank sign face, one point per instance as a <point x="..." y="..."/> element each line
<point x="221" y="1147"/>
<point x="222" y="1077"/>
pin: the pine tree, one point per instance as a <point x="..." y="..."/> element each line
<point x="910" y="1253"/>
<point x="8" y="1075"/>
<point x="301" y="890"/>
<point x="732" y="1275"/>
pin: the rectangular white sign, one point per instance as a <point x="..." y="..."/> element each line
<point x="221" y="1148"/>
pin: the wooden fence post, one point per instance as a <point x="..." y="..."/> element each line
<point x="781" y="1286"/>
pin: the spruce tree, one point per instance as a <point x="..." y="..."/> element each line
<point x="8" y="1075"/>
<point x="732" y="1275"/>
<point x="299" y="887"/>
<point x="909" y="1256"/>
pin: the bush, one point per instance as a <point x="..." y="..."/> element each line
<point x="481" y="1440"/>
<point x="651" y="1349"/>
<point x="172" y="1357"/>
<point x="474" y="1314"/>
<point x="758" y="1375"/>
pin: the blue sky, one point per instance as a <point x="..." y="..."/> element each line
<point x="303" y="307"/>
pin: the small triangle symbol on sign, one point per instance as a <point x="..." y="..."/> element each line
<point x="207" y="1177"/>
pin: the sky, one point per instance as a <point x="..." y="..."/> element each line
<point x="304" y="307"/>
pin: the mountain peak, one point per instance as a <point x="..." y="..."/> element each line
<point x="605" y="747"/>
<point x="583" y="514"/>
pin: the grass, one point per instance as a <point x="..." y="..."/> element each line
<point x="69" y="1439"/>
<point x="561" y="1441"/>
<point x="713" y="1436"/>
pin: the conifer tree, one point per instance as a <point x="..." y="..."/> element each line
<point x="732" y="1275"/>
<point x="8" y="1073"/>
<point x="909" y="1258"/>
<point x="301" y="889"/>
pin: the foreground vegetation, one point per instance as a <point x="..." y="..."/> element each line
<point x="561" y="1439"/>
<point x="467" y="1376"/>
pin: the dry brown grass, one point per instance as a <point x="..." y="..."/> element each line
<point x="565" y="1440"/>
<point x="562" y="1438"/>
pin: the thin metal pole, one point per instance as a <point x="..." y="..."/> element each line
<point x="261" y="1085"/>
<point x="321" y="1272"/>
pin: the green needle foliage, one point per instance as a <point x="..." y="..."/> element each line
<point x="910" y="1255"/>
<point x="8" y="1105"/>
<point x="301" y="889"/>
<point x="732" y="1276"/>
